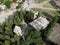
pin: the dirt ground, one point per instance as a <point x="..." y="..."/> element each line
<point x="55" y="35"/>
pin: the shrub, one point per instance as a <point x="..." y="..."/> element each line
<point x="7" y="37"/>
<point x="29" y="16"/>
<point x="1" y="29"/>
<point x="50" y="27"/>
<point x="7" y="42"/>
<point x="7" y="3"/>
<point x="2" y="36"/>
<point x="33" y="36"/>
<point x="1" y="43"/>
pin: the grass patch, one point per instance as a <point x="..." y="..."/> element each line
<point x="40" y="1"/>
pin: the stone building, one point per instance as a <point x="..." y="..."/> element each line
<point x="39" y="23"/>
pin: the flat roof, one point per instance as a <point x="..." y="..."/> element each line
<point x="40" y="23"/>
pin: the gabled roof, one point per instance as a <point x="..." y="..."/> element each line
<point x="18" y="31"/>
<point x="40" y="23"/>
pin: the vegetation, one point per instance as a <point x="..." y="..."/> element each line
<point x="10" y="38"/>
<point x="6" y="29"/>
<point x="59" y="19"/>
<point x="14" y="0"/>
<point x="28" y="16"/>
<point x="53" y="23"/>
<point x="7" y="42"/>
<point x="1" y="1"/>
<point x="40" y="1"/>
<point x="32" y="36"/>
<point x="50" y="27"/>
<point x="7" y="3"/>
<point x="0" y="9"/>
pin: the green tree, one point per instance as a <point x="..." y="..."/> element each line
<point x="1" y="36"/>
<point x="7" y="42"/>
<point x="1" y="43"/>
<point x="33" y="37"/>
<point x="50" y="27"/>
<point x="28" y="16"/>
<point x="14" y="0"/>
<point x="7" y="3"/>
<point x="7" y="37"/>
<point x="18" y="18"/>
<point x="1" y="29"/>
<point x="1" y="1"/>
<point x="0" y="9"/>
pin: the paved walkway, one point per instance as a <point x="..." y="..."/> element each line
<point x="37" y="5"/>
<point x="44" y="2"/>
<point x="40" y="6"/>
<point x="5" y="14"/>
